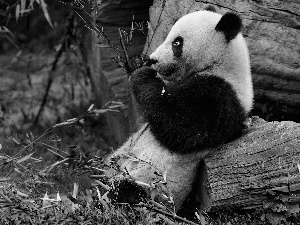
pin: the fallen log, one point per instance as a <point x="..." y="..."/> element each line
<point x="258" y="168"/>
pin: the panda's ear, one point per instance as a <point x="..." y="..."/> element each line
<point x="210" y="8"/>
<point x="230" y="25"/>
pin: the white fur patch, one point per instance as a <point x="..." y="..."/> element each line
<point x="180" y="169"/>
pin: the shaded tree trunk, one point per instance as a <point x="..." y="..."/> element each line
<point x="111" y="82"/>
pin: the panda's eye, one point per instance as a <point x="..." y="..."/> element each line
<point x="177" y="42"/>
<point x="177" y="46"/>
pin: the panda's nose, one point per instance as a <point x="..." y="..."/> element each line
<point x="153" y="61"/>
<point x="150" y="62"/>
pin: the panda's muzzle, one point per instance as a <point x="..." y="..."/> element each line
<point x="164" y="70"/>
<point x="150" y="62"/>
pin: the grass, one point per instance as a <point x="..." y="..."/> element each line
<point x="69" y="190"/>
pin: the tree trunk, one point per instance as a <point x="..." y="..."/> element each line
<point x="257" y="168"/>
<point x="110" y="82"/>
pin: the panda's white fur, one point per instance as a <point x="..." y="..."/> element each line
<point x="203" y="48"/>
<point x="180" y="170"/>
<point x="204" y="45"/>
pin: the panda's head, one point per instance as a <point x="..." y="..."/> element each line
<point x="205" y="41"/>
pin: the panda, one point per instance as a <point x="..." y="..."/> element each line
<point x="195" y="94"/>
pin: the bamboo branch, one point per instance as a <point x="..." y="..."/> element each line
<point x="172" y="216"/>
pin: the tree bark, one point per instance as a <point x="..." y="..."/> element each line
<point x="261" y="166"/>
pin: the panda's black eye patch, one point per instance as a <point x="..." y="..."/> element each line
<point x="177" y="45"/>
<point x="177" y="41"/>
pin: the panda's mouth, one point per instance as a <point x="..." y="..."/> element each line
<point x="167" y="71"/>
<point x="181" y="70"/>
<point x="170" y="72"/>
<point x="176" y="72"/>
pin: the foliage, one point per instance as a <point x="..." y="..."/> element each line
<point x="87" y="11"/>
<point x="26" y="179"/>
<point x="16" y="9"/>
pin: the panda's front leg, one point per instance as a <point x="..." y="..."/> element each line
<point x="148" y="89"/>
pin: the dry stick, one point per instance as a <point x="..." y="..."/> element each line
<point x="97" y="29"/>
<point x="54" y="64"/>
<point x="127" y="65"/>
<point x="5" y="197"/>
<point x="50" y="81"/>
<point x="31" y="144"/>
<point x="157" y="25"/>
<point x="167" y="214"/>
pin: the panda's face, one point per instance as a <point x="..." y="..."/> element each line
<point x="196" y="42"/>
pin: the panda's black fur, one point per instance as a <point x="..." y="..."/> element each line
<point x="200" y="112"/>
<point x="194" y="113"/>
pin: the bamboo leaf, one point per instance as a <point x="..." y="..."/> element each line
<point x="22" y="194"/>
<point x="44" y="7"/>
<point x="90" y="108"/>
<point x="100" y="199"/>
<point x="17" y="12"/>
<point x="30" y="6"/>
<point x="17" y="170"/>
<point x="58" y="198"/>
<point x="4" y="179"/>
<point x="75" y="190"/>
<point x="103" y="46"/>
<point x="23" y="4"/>
<point x="25" y="158"/>
<point x="46" y="200"/>
<point x="56" y="164"/>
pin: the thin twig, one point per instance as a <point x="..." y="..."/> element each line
<point x="50" y="129"/>
<point x="55" y="153"/>
<point x="5" y="197"/>
<point x="157" y="25"/>
<point x="172" y="216"/>
<point x="127" y="64"/>
<point x="97" y="29"/>
<point x="54" y="64"/>
<point x="57" y="149"/>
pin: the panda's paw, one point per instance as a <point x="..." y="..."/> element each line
<point x="128" y="191"/>
<point x="144" y="72"/>
<point x="145" y="85"/>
